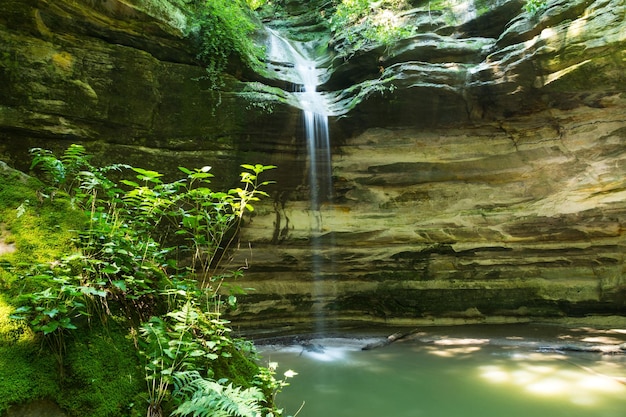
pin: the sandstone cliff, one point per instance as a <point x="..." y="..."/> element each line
<point x="478" y="165"/>
<point x="486" y="185"/>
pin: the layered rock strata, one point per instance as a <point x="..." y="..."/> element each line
<point x="478" y="166"/>
<point x="124" y="82"/>
<point x="485" y="185"/>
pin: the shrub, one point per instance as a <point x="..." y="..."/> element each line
<point x="364" y="22"/>
<point x="222" y="31"/>
<point x="122" y="270"/>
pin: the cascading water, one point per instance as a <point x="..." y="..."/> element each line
<point x="290" y="60"/>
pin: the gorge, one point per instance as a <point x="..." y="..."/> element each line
<point x="438" y="163"/>
<point x="477" y="163"/>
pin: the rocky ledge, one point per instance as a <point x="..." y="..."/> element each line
<point x="478" y="166"/>
<point x="485" y="184"/>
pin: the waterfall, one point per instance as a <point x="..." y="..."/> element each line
<point x="292" y="63"/>
<point x="289" y="59"/>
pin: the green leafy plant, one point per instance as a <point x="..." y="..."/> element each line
<point x="362" y="23"/>
<point x="222" y="30"/>
<point x="186" y="339"/>
<point x="533" y="7"/>
<point x="52" y="311"/>
<point x="153" y="253"/>
<point x="267" y="378"/>
<point x="59" y="172"/>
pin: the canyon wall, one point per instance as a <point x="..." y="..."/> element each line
<point x="478" y="165"/>
<point x="124" y="81"/>
<point x="483" y="183"/>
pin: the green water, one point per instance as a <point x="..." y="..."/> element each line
<point x="448" y="375"/>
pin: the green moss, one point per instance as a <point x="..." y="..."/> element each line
<point x="41" y="229"/>
<point x="26" y="372"/>
<point x="236" y="367"/>
<point x="103" y="374"/>
<point x="41" y="232"/>
<point x="263" y="97"/>
<point x="12" y="331"/>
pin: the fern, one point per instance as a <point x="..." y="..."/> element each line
<point x="61" y="172"/>
<point x="206" y="398"/>
<point x="74" y="158"/>
<point x="53" y="169"/>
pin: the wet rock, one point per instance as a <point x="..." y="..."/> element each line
<point x="38" y="408"/>
<point x="478" y="166"/>
<point x="125" y="83"/>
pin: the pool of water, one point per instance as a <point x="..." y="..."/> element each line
<point x="458" y="372"/>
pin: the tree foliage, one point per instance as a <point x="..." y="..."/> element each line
<point x="363" y="23"/>
<point x="223" y="31"/>
<point x="533" y="7"/>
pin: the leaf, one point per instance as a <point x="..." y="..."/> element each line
<point x="147" y="173"/>
<point x="196" y="353"/>
<point x="50" y="327"/>
<point x="92" y="291"/>
<point x="21" y="209"/>
<point x="111" y="269"/>
<point x="22" y="309"/>
<point x="130" y="183"/>
<point x="120" y="285"/>
<point x="65" y="323"/>
<point x="201" y="175"/>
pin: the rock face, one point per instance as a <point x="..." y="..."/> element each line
<point x="123" y="82"/>
<point x="478" y="166"/>
<point x="486" y="186"/>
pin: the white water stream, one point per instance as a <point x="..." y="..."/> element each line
<point x="293" y="63"/>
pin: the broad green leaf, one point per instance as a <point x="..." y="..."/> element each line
<point x="111" y="269"/>
<point x="185" y="170"/>
<point x="147" y="173"/>
<point x="120" y="284"/>
<point x="130" y="183"/>
<point x="50" y="327"/>
<point x="93" y="291"/>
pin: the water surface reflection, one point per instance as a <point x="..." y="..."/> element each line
<point x="462" y="372"/>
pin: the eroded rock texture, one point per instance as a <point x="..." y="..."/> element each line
<point x="124" y="82"/>
<point x="487" y="186"/>
<point x="478" y="166"/>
